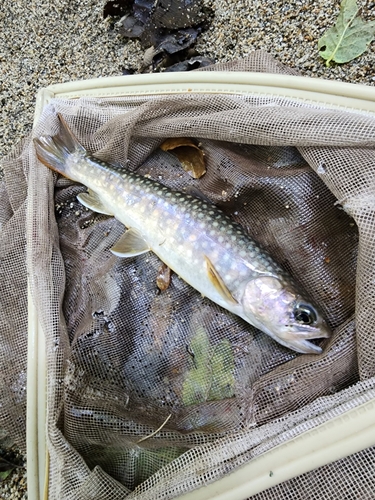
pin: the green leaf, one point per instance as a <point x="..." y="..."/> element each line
<point x="4" y="474"/>
<point x="349" y="37"/>
<point x="211" y="376"/>
<point x="6" y="468"/>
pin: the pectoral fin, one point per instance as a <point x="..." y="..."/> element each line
<point x="130" y="244"/>
<point x="218" y="282"/>
<point x="92" y="201"/>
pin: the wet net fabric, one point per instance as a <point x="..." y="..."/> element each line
<point x="13" y="299"/>
<point x="152" y="394"/>
<point x="350" y="477"/>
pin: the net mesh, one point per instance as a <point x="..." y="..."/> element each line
<point x="350" y="477"/>
<point x="299" y="179"/>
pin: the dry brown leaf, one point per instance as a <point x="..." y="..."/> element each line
<point x="189" y="154"/>
<point x="163" y="277"/>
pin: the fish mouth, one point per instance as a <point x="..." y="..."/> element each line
<point x="304" y="346"/>
<point x="300" y="341"/>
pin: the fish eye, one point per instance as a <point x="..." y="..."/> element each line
<point x="304" y="314"/>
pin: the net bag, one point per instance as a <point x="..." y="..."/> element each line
<point x="152" y="394"/>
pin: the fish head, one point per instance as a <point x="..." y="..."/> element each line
<point x="276" y="308"/>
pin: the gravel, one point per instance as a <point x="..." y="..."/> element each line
<point x="44" y="42"/>
<point x="289" y="31"/>
<point x="14" y="487"/>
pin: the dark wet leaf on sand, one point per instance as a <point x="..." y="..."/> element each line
<point x="191" y="64"/>
<point x="116" y="8"/>
<point x="132" y="28"/>
<point x="177" y="41"/>
<point x="173" y="14"/>
<point x="169" y="28"/>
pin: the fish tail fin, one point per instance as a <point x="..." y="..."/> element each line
<point x="54" y="151"/>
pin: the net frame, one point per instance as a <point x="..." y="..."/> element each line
<point x="188" y="85"/>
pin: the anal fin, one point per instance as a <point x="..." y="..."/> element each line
<point x="92" y="201"/>
<point x="218" y="282"/>
<point x="130" y="244"/>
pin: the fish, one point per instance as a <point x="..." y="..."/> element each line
<point x="202" y="245"/>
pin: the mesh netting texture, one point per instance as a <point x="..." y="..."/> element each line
<point x="299" y="179"/>
<point x="350" y="477"/>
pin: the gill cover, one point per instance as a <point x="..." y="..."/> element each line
<point x="283" y="314"/>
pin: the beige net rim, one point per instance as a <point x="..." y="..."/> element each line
<point x="323" y="92"/>
<point x="315" y="92"/>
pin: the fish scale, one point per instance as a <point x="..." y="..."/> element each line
<point x="195" y="239"/>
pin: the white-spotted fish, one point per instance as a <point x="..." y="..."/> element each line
<point x="196" y="240"/>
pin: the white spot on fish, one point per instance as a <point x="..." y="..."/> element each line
<point x="321" y="168"/>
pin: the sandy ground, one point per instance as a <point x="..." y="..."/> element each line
<point x="44" y="42"/>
